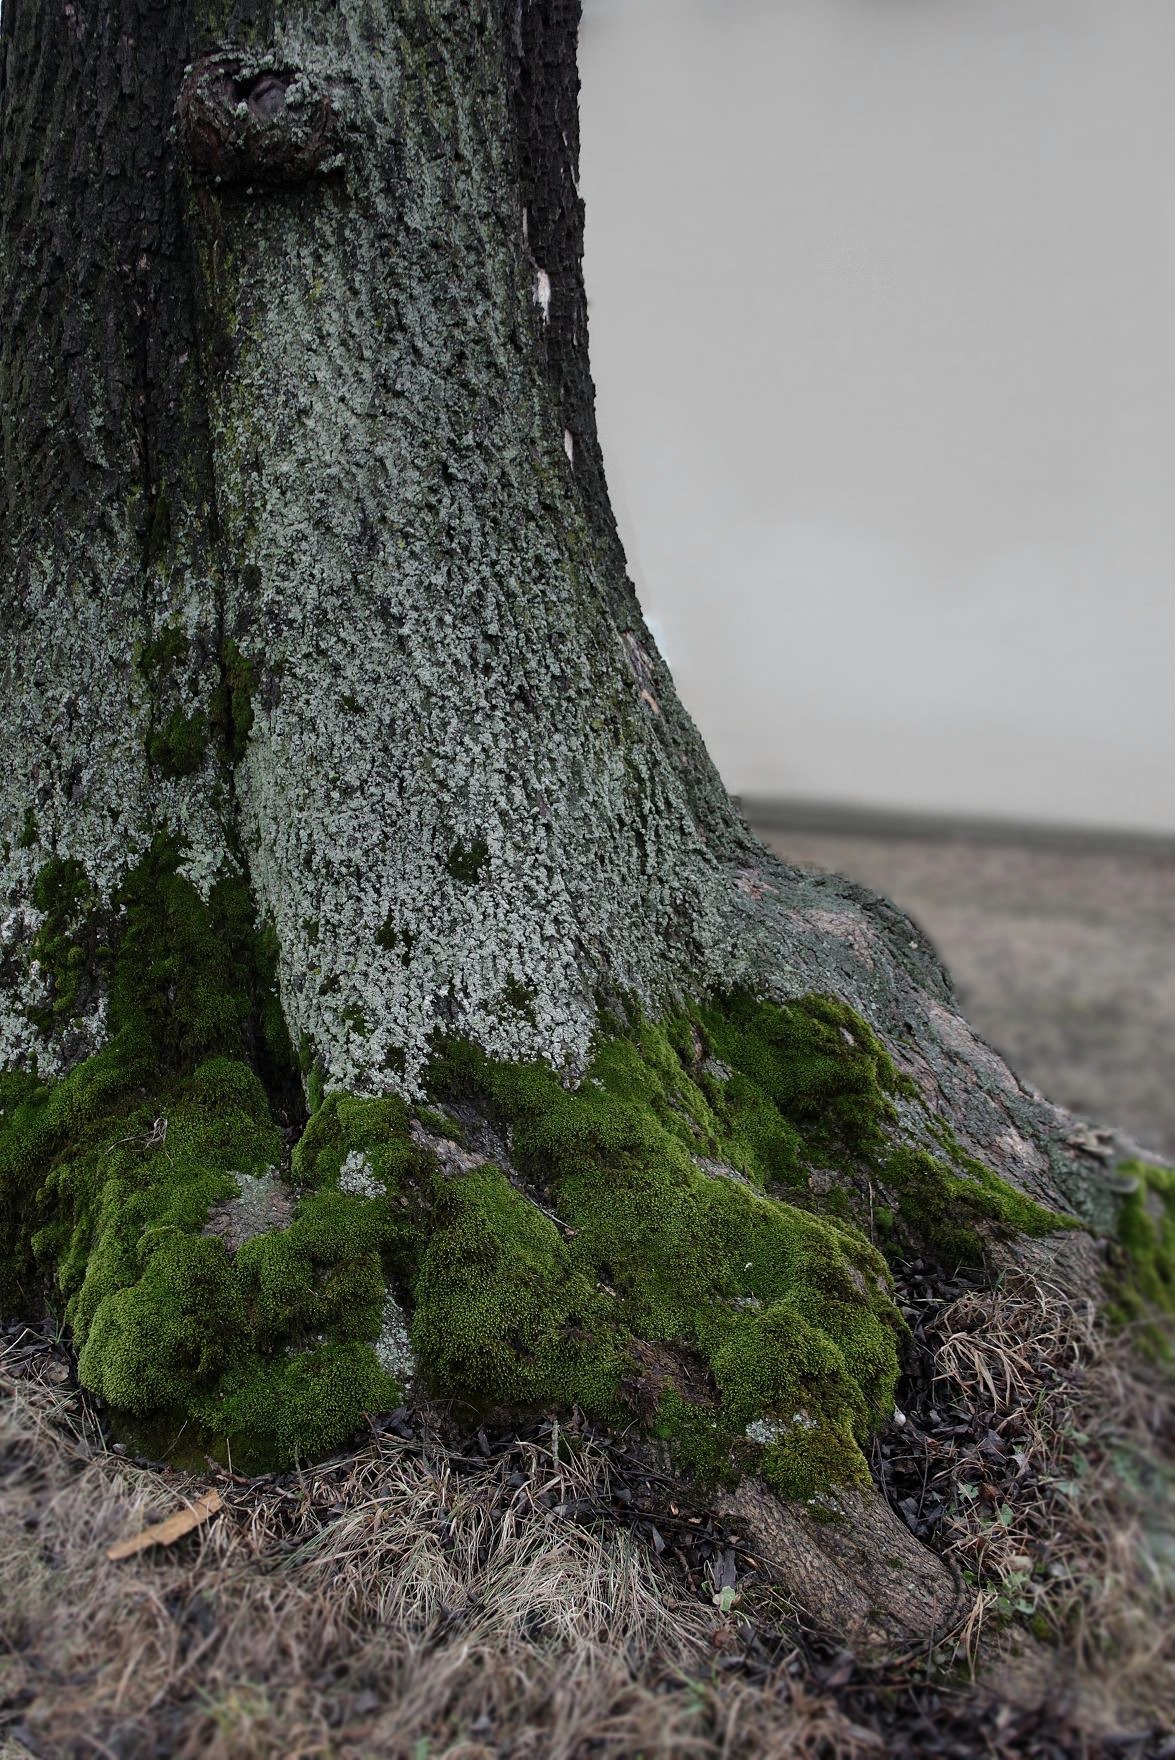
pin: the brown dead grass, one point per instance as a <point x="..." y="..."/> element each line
<point x="397" y="1608"/>
<point x="412" y="1604"/>
<point x="1075" y="1532"/>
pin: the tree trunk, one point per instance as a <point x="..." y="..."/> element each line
<point x="341" y="764"/>
<point x="344" y="427"/>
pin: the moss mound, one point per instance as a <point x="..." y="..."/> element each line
<point x="1142" y="1278"/>
<point x="680" y="1241"/>
<point x="108" y="1179"/>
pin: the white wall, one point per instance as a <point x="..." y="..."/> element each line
<point x="882" y="323"/>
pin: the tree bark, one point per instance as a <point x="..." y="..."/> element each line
<point x="330" y="423"/>
<point x="324" y="426"/>
<point x="309" y="568"/>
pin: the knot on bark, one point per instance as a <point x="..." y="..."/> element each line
<point x="244" y="118"/>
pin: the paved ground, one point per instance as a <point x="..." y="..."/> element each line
<point x="1064" y="957"/>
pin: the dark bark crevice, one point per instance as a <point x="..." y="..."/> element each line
<point x="99" y="323"/>
<point x="544" y="37"/>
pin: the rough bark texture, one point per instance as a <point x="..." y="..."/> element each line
<point x="308" y="562"/>
<point x="466" y="771"/>
<point x="834" y="1554"/>
<point x="107" y="527"/>
<point x="323" y="430"/>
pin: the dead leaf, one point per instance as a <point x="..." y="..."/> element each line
<point x="174" y="1528"/>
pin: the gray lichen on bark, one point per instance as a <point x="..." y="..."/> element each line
<point x="456" y="789"/>
<point x="315" y="452"/>
<point x="106" y="495"/>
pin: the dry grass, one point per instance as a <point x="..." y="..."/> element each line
<point x="1065" y="1515"/>
<point x="407" y="1602"/>
<point x="390" y="1606"/>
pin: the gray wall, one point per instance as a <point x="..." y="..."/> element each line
<point x="881" y="299"/>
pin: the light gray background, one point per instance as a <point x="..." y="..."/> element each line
<point x="881" y="302"/>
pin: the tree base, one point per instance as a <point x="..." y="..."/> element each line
<point x="690" y="1239"/>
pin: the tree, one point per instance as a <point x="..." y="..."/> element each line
<point x="392" y="997"/>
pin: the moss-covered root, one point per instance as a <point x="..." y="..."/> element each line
<point x="688" y="1266"/>
<point x="1142" y="1271"/>
<point x="653" y="1246"/>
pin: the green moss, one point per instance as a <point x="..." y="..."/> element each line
<point x="273" y="1051"/>
<point x="823" y="1067"/>
<point x="466" y="861"/>
<point x="346" y="1123"/>
<point x="703" y="1268"/>
<point x="108" y="1179"/>
<point x="68" y="945"/>
<point x="315" y="1080"/>
<point x="1142" y="1276"/>
<point x="322" y="1274"/>
<point x="671" y="1170"/>
<point x="502" y="1310"/>
<point x="299" y="1409"/>
<point x="177" y="748"/>
<point x="651" y="1252"/>
<point x="437" y="1124"/>
<point x="149" y="1344"/>
<point x="165" y="654"/>
<point x="28" y="830"/>
<point x="780" y="1363"/>
<point x="232" y="702"/>
<point x="16" y="1087"/>
<point x="948" y="1208"/>
<point x="179" y="741"/>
